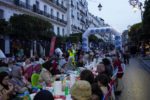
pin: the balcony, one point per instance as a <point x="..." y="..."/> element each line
<point x="38" y="11"/>
<point x="82" y="21"/>
<point x="83" y="12"/>
<point x="58" y="4"/>
<point x="72" y="4"/>
<point x="81" y="3"/>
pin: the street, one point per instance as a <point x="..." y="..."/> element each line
<point x="136" y="82"/>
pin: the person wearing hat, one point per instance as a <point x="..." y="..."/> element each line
<point x="81" y="90"/>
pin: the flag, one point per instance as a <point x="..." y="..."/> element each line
<point x="52" y="46"/>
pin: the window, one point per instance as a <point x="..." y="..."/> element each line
<point x="63" y="32"/>
<point x="62" y="17"/>
<point x="45" y="9"/>
<point x="37" y="4"/>
<point x="27" y="3"/>
<point x="1" y="13"/>
<point x="58" y="31"/>
<point x="72" y="13"/>
<point x="51" y="11"/>
<point x="77" y="15"/>
<point x="57" y="14"/>
<point x="62" y="2"/>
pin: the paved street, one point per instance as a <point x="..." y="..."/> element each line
<point x="136" y="82"/>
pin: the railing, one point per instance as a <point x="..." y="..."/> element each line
<point x="58" y="4"/>
<point x="82" y="21"/>
<point x="36" y="10"/>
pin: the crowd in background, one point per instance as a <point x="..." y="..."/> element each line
<point x="15" y="74"/>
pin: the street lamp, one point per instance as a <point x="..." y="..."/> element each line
<point x="100" y="7"/>
<point x="135" y="3"/>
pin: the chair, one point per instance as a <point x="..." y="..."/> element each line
<point x="37" y="68"/>
<point x="28" y="72"/>
<point x="34" y="80"/>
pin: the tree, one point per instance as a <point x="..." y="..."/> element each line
<point x="146" y="19"/>
<point x="31" y="27"/>
<point x="136" y="32"/>
<point x="4" y="27"/>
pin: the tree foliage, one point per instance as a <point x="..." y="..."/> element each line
<point x="136" y="32"/>
<point x="31" y="27"/>
<point x="4" y="27"/>
<point x="146" y="18"/>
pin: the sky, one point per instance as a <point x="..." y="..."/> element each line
<point x="117" y="13"/>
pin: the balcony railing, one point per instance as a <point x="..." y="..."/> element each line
<point x="58" y="4"/>
<point x="36" y="10"/>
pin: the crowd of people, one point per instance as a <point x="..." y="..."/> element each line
<point x="15" y="76"/>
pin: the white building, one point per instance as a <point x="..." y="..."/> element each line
<point x="66" y="16"/>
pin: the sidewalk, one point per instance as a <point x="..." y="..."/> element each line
<point x="145" y="61"/>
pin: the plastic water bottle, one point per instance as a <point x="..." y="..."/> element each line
<point x="44" y="85"/>
<point x="26" y="95"/>
<point x="66" y="90"/>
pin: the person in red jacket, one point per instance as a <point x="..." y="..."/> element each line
<point x="117" y="63"/>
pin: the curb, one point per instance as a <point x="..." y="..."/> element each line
<point x="146" y="66"/>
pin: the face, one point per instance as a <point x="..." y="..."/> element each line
<point x="71" y="59"/>
<point x="50" y="68"/>
<point x="5" y="80"/>
<point x="100" y="68"/>
<point x="95" y="97"/>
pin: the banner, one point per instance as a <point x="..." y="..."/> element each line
<point x="52" y="46"/>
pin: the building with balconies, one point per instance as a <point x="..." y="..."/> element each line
<point x="66" y="16"/>
<point x="54" y="11"/>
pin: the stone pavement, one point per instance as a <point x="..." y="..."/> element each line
<point x="136" y="82"/>
<point x="145" y="62"/>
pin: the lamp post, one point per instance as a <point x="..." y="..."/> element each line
<point x="136" y="3"/>
<point x="100" y="7"/>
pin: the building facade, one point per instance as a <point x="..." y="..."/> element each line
<point x="66" y="16"/>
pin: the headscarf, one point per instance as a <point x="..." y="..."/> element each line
<point x="16" y="73"/>
<point x="44" y="95"/>
<point x="70" y="65"/>
<point x="17" y="76"/>
<point x="2" y="76"/>
<point x="81" y="90"/>
<point x="48" y="64"/>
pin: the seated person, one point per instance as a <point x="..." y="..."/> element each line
<point x="46" y="74"/>
<point x="81" y="90"/>
<point x="70" y="65"/>
<point x="19" y="82"/>
<point x="44" y="95"/>
<point x="62" y="65"/>
<point x="97" y="93"/>
<point x="87" y="75"/>
<point x="6" y="89"/>
<point x="80" y="63"/>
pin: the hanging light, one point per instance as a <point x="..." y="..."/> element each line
<point x="134" y="9"/>
<point x="100" y="7"/>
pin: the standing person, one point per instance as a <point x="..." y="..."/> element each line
<point x="6" y="89"/>
<point x="71" y="53"/>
